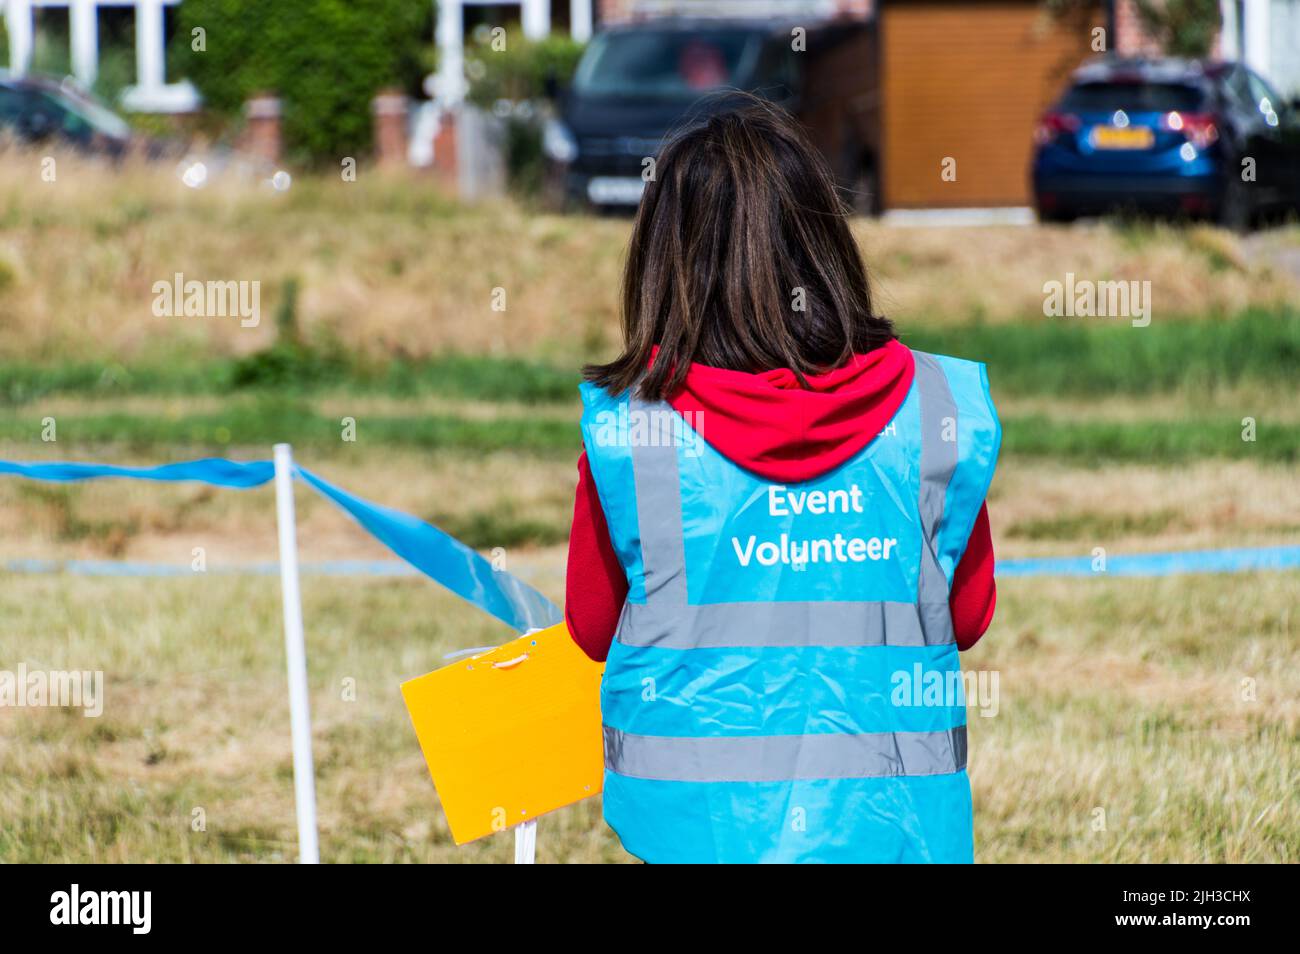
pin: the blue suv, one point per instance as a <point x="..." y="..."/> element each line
<point x="1204" y="139"/>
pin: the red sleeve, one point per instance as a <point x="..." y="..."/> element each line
<point x="594" y="584"/>
<point x="974" y="594"/>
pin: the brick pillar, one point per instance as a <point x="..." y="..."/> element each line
<point x="389" y="109"/>
<point x="854" y="9"/>
<point x="613" y="11"/>
<point x="262" y="133"/>
<point x="1132" y="38"/>
<point x="445" y="165"/>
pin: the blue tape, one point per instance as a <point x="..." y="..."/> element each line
<point x="1238" y="560"/>
<point x="1199" y="561"/>
<point x="395" y="568"/>
<point x="444" y="558"/>
<point x="211" y="470"/>
<point x="433" y="552"/>
<point x="456" y="566"/>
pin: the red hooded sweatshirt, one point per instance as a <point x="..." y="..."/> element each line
<point x="772" y="426"/>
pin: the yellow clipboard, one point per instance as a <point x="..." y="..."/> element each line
<point x="511" y="733"/>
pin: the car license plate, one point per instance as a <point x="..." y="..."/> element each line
<point x="615" y="190"/>
<point x="1122" y="137"/>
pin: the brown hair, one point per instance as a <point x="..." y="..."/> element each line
<point x="741" y="224"/>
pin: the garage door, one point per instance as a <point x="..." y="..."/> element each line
<point x="967" y="81"/>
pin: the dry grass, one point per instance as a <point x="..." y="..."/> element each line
<point x="1141" y="720"/>
<point x="1259" y="400"/>
<point x="163" y="522"/>
<point x="1049" y="509"/>
<point x="195" y="717"/>
<point x="1121" y="695"/>
<point x="1037" y="508"/>
<point x="997" y="273"/>
<point x="1122" y="732"/>
<point x="388" y="266"/>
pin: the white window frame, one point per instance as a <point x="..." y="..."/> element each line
<point x="151" y="92"/>
<point x="1254" y="31"/>
<point x="535" y="15"/>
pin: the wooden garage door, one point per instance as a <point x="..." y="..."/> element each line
<point x="968" y="80"/>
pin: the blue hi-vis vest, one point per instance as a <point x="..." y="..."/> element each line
<point x="784" y="685"/>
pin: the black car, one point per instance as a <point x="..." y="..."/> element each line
<point x="1210" y="139"/>
<point x="36" y="109"/>
<point x="636" y="83"/>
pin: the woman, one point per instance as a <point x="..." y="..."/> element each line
<point x="779" y="540"/>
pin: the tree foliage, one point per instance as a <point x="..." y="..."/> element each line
<point x="1182" y="27"/>
<point x="326" y="59"/>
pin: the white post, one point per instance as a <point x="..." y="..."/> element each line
<point x="83" y="22"/>
<point x="451" y="52"/>
<point x="526" y="832"/>
<point x="536" y="15"/>
<point x="304" y="774"/>
<point x="150" y="71"/>
<point x="18" y="22"/>
<point x="580" y="20"/>
<point x="526" y="843"/>
<point x="1228" y="46"/>
<point x="1256" y="34"/>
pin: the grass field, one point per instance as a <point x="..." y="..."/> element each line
<point x="385" y="267"/>
<point x="1123" y="696"/>
<point x="1154" y="720"/>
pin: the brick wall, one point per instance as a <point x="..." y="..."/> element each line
<point x="1131" y="38"/>
<point x="613" y="11"/>
<point x="620" y="11"/>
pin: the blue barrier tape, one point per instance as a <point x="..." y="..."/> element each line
<point x="1206" y="561"/>
<point x="1237" y="560"/>
<point x="211" y="470"/>
<point x="433" y="552"/>
<point x="377" y="568"/>
<point x="1138" y="565"/>
<point x="444" y="558"/>
<point x="448" y="561"/>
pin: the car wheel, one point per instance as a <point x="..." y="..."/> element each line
<point x="1056" y="216"/>
<point x="864" y="196"/>
<point x="1235" y="206"/>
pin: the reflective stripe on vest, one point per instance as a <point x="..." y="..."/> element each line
<point x="667" y="620"/>
<point x="778" y="758"/>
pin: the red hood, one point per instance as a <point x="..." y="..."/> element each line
<point x="771" y="425"/>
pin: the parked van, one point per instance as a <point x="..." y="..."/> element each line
<point x="636" y="83"/>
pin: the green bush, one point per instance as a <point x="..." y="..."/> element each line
<point x="518" y="72"/>
<point x="1181" y="27"/>
<point x="326" y="59"/>
<point x="511" y="83"/>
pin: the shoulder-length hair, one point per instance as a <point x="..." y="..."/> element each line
<point x="740" y="258"/>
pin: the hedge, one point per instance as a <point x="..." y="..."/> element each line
<point x="326" y="59"/>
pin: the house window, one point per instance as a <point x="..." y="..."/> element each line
<point x="63" y="36"/>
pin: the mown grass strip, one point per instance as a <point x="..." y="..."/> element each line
<point x="1078" y="357"/>
<point x="264" y="422"/>
<point x="1096" y="356"/>
<point x="1155" y="442"/>
<point x="283" y="370"/>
